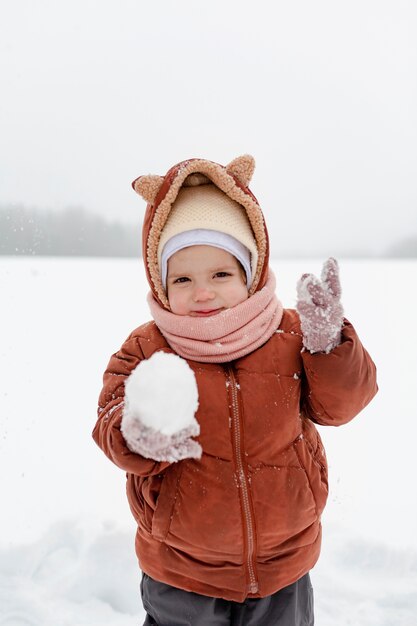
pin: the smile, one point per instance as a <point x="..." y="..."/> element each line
<point x="206" y="312"/>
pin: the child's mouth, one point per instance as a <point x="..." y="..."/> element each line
<point x="206" y="312"/>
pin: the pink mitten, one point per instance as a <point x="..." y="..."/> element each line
<point x="153" y="444"/>
<point x="320" y="310"/>
<point x="161" y="398"/>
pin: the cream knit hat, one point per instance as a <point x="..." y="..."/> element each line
<point x="207" y="207"/>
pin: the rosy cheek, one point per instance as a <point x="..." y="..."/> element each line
<point x="177" y="302"/>
<point x="242" y="294"/>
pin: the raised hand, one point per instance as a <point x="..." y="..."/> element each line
<point x="161" y="398"/>
<point x="320" y="310"/>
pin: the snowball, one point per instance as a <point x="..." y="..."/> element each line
<point x="162" y="392"/>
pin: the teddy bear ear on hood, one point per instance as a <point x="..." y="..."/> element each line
<point x="242" y="168"/>
<point x="148" y="186"/>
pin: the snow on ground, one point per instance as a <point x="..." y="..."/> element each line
<point x="70" y="576"/>
<point x="75" y="576"/>
<point x="66" y="542"/>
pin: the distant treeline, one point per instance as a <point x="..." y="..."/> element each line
<point x="407" y="248"/>
<point x="72" y="232"/>
<point x="77" y="232"/>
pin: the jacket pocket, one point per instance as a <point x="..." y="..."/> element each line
<point x="205" y="519"/>
<point x="284" y="507"/>
<point x="150" y="497"/>
<point x="311" y="456"/>
<point x="165" y="503"/>
<point x="142" y="511"/>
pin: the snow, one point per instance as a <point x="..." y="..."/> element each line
<point x="67" y="577"/>
<point x="162" y="392"/>
<point x="67" y="540"/>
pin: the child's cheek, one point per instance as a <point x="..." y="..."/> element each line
<point x="178" y="302"/>
<point x="240" y="294"/>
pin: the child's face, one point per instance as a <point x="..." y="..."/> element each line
<point x="204" y="280"/>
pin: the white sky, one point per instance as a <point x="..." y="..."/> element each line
<point x="323" y="93"/>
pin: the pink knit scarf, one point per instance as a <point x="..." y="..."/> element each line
<point x="229" y="335"/>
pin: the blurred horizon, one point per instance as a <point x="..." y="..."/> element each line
<point x="75" y="231"/>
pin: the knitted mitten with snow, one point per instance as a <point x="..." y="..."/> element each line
<point x="320" y="310"/>
<point x="158" y="420"/>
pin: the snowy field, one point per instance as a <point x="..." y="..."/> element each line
<point x="66" y="541"/>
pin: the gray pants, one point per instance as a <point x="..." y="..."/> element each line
<point x="169" y="606"/>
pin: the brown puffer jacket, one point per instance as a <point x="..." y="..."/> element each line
<point x="244" y="520"/>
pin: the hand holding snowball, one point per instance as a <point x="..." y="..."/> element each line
<point x="161" y="398"/>
<point x="320" y="310"/>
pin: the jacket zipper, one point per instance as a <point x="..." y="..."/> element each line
<point x="243" y="482"/>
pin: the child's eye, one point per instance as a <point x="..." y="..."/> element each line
<point x="181" y="279"/>
<point x="221" y="274"/>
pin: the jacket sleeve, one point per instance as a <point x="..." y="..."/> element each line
<point x="106" y="433"/>
<point x="338" y="385"/>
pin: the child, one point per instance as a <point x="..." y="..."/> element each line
<point x="210" y="408"/>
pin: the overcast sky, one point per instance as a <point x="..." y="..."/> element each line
<point x="323" y="93"/>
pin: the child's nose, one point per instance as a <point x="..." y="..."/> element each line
<point x="202" y="294"/>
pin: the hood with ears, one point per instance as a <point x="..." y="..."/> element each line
<point x="160" y="193"/>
